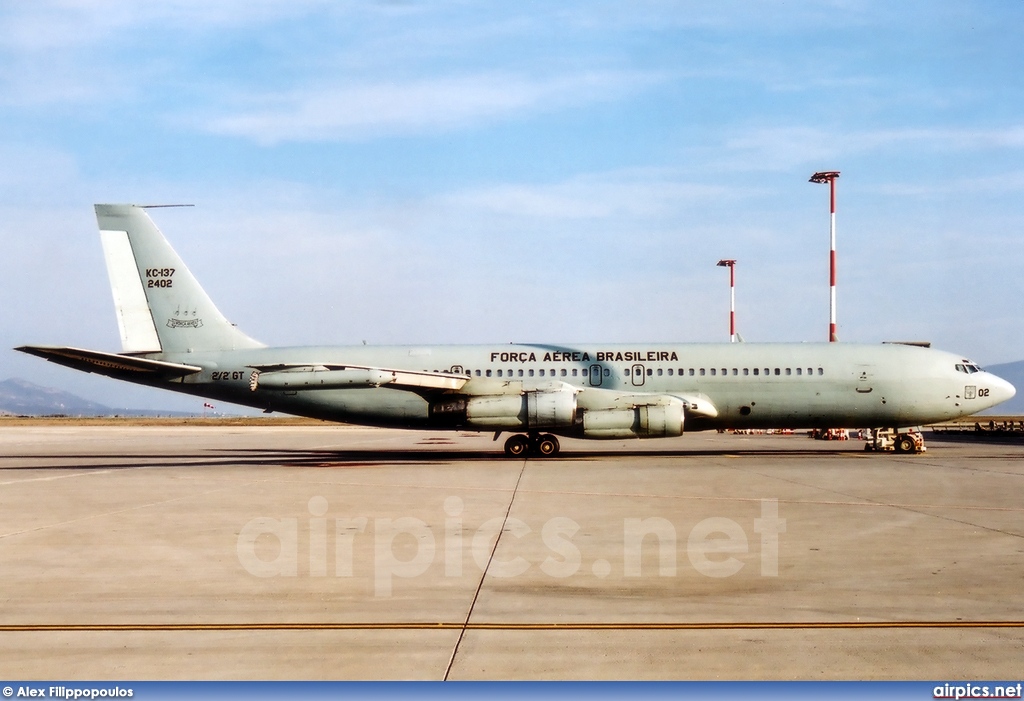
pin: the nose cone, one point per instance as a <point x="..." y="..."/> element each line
<point x="1000" y="390"/>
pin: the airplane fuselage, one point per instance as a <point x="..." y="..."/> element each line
<point x="749" y="385"/>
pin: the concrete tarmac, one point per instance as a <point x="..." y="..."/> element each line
<point x="318" y="552"/>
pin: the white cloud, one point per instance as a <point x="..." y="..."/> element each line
<point x="1001" y="184"/>
<point x="637" y="195"/>
<point x="358" y="111"/>
<point x="47" y="25"/>
<point x="98" y="51"/>
<point x="781" y="148"/>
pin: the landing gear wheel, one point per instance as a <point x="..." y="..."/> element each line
<point x="517" y="446"/>
<point x="546" y="446"/>
<point x="905" y="444"/>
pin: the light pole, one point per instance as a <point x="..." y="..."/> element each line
<point x="731" y="265"/>
<point x="830" y="177"/>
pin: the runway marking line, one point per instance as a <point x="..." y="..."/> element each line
<point x="748" y="625"/>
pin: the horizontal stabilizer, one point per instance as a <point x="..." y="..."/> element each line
<point x="110" y="364"/>
<point x="333" y="376"/>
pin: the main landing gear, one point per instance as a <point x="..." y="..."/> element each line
<point x="534" y="444"/>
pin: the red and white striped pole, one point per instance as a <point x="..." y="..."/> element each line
<point x="830" y="177"/>
<point x="731" y="264"/>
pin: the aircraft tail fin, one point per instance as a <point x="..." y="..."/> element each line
<point x="160" y="305"/>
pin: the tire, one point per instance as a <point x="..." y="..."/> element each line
<point x="517" y="446"/>
<point x="547" y="446"/>
<point x="905" y="444"/>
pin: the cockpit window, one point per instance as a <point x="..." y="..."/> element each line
<point x="968" y="367"/>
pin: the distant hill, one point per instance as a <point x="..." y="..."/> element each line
<point x="26" y="399"/>
<point x="1014" y="374"/>
<point x="22" y="398"/>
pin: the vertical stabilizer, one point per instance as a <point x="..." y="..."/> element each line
<point x="160" y="305"/>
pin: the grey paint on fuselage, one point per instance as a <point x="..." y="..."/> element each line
<point x="858" y="385"/>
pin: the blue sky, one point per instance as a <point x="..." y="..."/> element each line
<point x="455" y="172"/>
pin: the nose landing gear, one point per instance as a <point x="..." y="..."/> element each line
<point x="539" y="445"/>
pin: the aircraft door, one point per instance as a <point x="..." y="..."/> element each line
<point x="638" y="374"/>
<point x="596" y="375"/>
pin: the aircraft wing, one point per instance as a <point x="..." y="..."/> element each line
<point x="334" y="376"/>
<point x="110" y="364"/>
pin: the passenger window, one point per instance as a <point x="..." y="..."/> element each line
<point x="777" y="371"/>
<point x="712" y="372"/>
<point x="488" y="373"/>
<point x="691" y="372"/>
<point x="702" y="372"/>
<point x="574" y="371"/>
<point x="650" y="372"/>
<point x="735" y="372"/>
<point x="746" y="371"/>
<point x="607" y="372"/>
<point x="756" y="371"/>
<point x="564" y="373"/>
<point x="542" y="372"/>
<point x="821" y="371"/>
<point x="499" y="373"/>
<point x="789" y="371"/>
<point x="799" y="371"/>
<point x="660" y="372"/>
<point x="530" y="372"/>
<point x="583" y="372"/>
<point x="477" y="373"/>
<point x="670" y="372"/>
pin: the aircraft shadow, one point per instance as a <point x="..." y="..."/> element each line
<point x="299" y="458"/>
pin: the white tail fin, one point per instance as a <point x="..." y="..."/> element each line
<point x="160" y="305"/>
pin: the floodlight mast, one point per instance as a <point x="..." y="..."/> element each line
<point x="731" y="265"/>
<point x="830" y="177"/>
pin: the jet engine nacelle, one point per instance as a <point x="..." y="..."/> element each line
<point x="511" y="412"/>
<point x="662" y="420"/>
<point x="320" y="379"/>
<point x="495" y="412"/>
